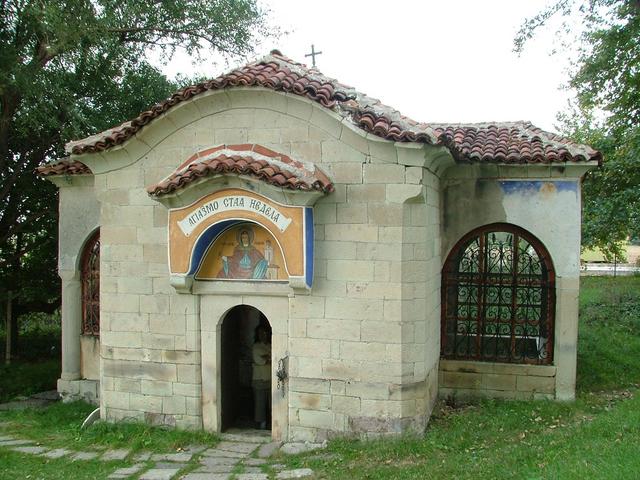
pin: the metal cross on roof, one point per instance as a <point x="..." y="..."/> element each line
<point x="313" y="55"/>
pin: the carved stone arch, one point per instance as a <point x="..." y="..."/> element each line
<point x="214" y="309"/>
<point x="84" y="240"/>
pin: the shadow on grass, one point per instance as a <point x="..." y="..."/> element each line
<point x="26" y="378"/>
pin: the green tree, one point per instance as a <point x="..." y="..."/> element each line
<point x="606" y="78"/>
<point x="70" y="68"/>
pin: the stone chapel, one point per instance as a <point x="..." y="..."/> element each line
<point x="392" y="261"/>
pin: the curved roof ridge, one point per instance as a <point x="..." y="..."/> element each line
<point x="247" y="159"/>
<point x="64" y="166"/>
<point x="278" y="72"/>
<point x="510" y="142"/>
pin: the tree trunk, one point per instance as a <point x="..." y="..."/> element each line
<point x="14" y="327"/>
<point x="7" y="352"/>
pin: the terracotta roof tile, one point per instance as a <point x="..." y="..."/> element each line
<point x="515" y="142"/>
<point x="252" y="160"/>
<point x="63" y="167"/>
<point x="511" y="143"/>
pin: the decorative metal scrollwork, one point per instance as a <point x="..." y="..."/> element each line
<point x="90" y="277"/>
<point x="498" y="298"/>
<point x="281" y="374"/>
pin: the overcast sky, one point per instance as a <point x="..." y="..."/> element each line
<point x="438" y="61"/>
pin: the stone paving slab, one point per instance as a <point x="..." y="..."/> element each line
<point x="268" y="449"/>
<point x="215" y="461"/>
<point x="242" y="437"/>
<point x="193" y="449"/>
<point x="120" y="454"/>
<point x="169" y="466"/>
<point x="206" y="476"/>
<point x="32" y="450"/>
<point x="238" y="447"/>
<point x="127" y="471"/>
<point x="159" y="474"/>
<point x="215" y="464"/>
<point x="297" y="473"/>
<point x="252" y="476"/>
<point x="142" y="456"/>
<point x="214" y="452"/>
<point x="84" y="456"/>
<point x="172" y="457"/>
<point x="15" y="443"/>
<point x="216" y="469"/>
<point x="56" y="453"/>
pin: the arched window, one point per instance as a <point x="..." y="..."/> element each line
<point x="498" y="298"/>
<point x="90" y="275"/>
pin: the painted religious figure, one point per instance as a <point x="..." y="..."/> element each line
<point x="246" y="262"/>
<point x="269" y="256"/>
<point x="244" y="252"/>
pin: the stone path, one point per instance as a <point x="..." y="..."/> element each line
<point x="241" y="455"/>
<point x="34" y="401"/>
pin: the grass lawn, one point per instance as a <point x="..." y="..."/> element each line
<point x="15" y="466"/>
<point x="58" y="426"/>
<point x="597" y="436"/>
<point x="609" y="335"/>
<point x="593" y="438"/>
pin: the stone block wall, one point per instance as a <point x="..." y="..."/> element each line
<point x="362" y="344"/>
<point x="464" y="380"/>
<point x="90" y="357"/>
<point x="545" y="201"/>
<point x="79" y="219"/>
<point x="150" y="335"/>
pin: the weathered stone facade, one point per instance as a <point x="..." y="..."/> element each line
<point x="362" y="345"/>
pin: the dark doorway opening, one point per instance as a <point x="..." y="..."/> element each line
<point x="238" y="383"/>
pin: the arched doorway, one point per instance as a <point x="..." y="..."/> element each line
<point x="245" y="369"/>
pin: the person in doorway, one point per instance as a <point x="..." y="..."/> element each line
<point x="261" y="377"/>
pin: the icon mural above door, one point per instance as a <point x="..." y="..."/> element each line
<point x="244" y="252"/>
<point x="235" y="234"/>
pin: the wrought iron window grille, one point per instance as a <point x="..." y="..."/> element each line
<point x="90" y="278"/>
<point x="498" y="298"/>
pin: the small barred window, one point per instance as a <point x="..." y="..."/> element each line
<point x="90" y="275"/>
<point x="498" y="298"/>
